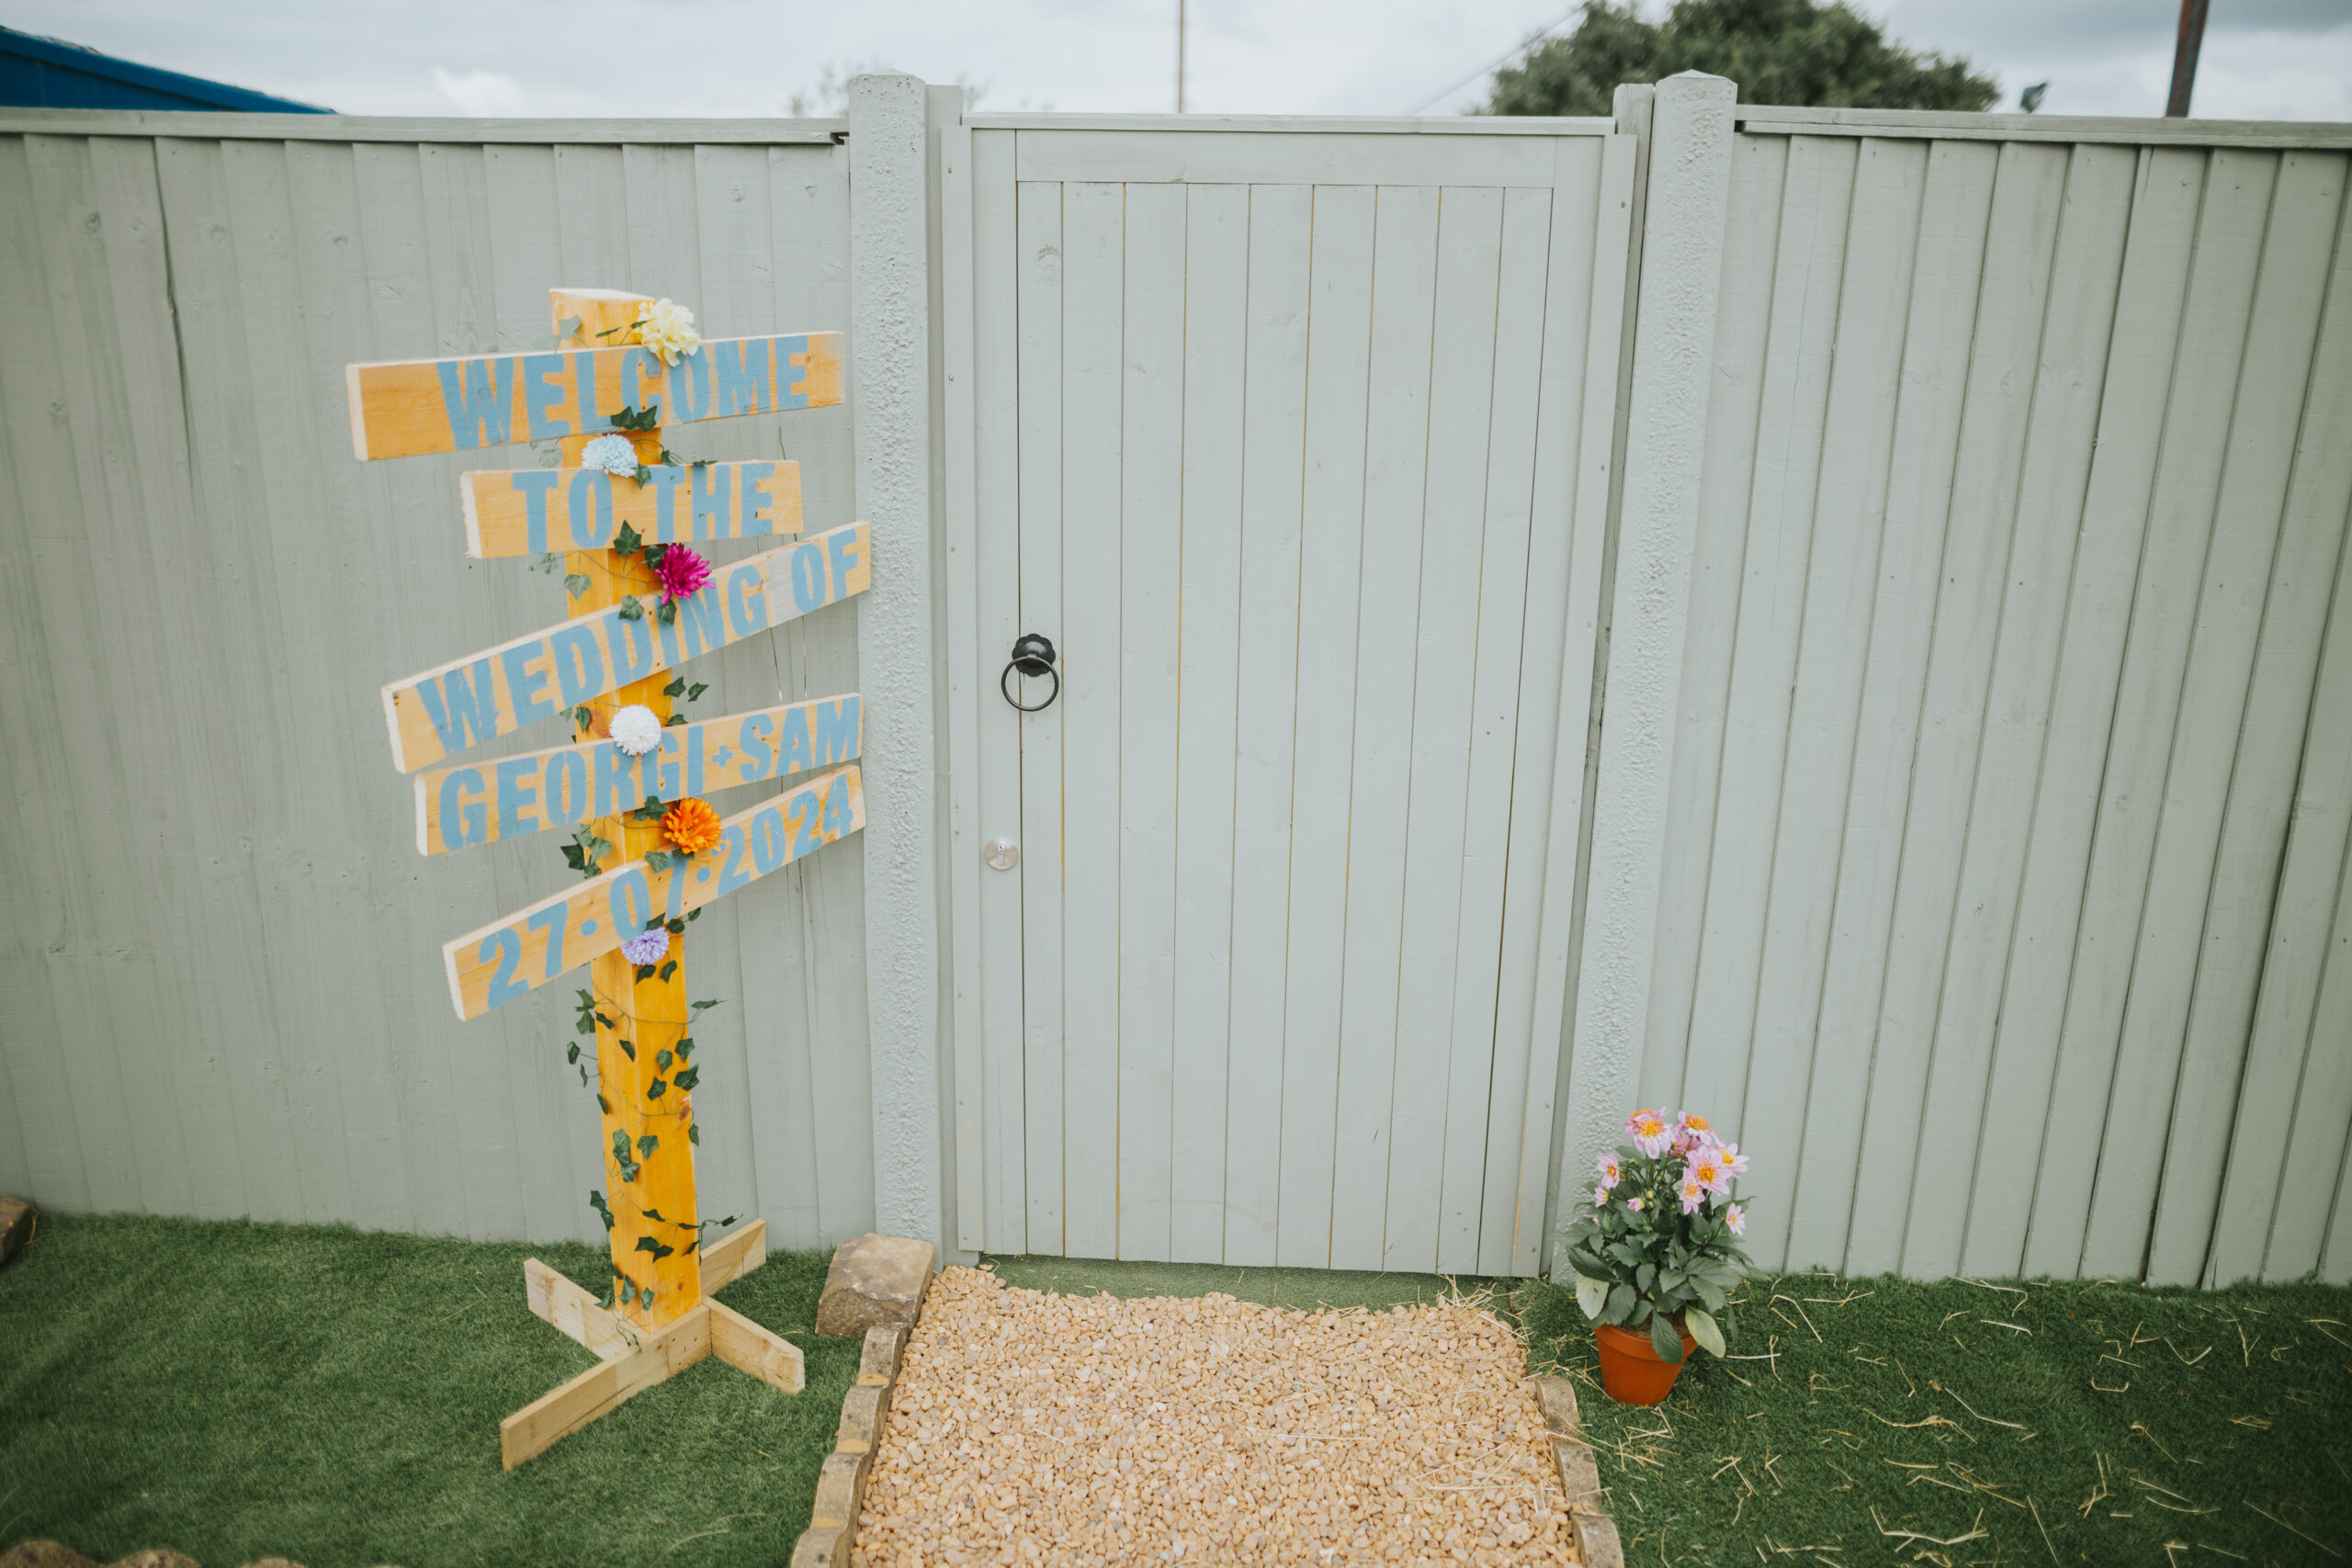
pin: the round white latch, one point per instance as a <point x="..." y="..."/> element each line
<point x="1004" y="853"/>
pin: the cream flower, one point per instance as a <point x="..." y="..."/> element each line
<point x="636" y="730"/>
<point x="668" y="329"/>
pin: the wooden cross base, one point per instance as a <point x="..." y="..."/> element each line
<point x="636" y="1358"/>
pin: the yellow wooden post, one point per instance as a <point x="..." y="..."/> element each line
<point x="648" y="1160"/>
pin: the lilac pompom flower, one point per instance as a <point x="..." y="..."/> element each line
<point x="648" y="946"/>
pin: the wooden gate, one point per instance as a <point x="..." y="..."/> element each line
<point x="1293" y="440"/>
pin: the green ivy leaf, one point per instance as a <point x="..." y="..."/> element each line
<point x="669" y="969"/>
<point x="549" y="563"/>
<point x="628" y="541"/>
<point x="694" y="914"/>
<point x="694" y="691"/>
<point x="678" y="928"/>
<point x="686" y="1045"/>
<point x="697" y="1007"/>
<point x="566" y="327"/>
<point x="675" y="687"/>
<point x="646" y="1244"/>
<point x="693" y="1135"/>
<point x="668" y="613"/>
<point x="631" y="610"/>
<point x="648" y="1144"/>
<point x="675" y="718"/>
<point x="629" y="1050"/>
<point x="644" y="474"/>
<point x="571" y="1052"/>
<point x="644" y="973"/>
<point x="602" y="1104"/>
<point x="575" y="583"/>
<point x="656" y="1090"/>
<point x="687" y="1079"/>
<point x="662" y="1059"/>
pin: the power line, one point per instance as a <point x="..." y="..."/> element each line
<point x="1530" y="41"/>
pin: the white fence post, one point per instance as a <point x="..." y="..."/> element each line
<point x="889" y="376"/>
<point x="1682" y="275"/>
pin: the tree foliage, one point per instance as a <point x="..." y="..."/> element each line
<point x="1780" y="51"/>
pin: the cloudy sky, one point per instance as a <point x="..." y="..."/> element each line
<point x="2263" y="59"/>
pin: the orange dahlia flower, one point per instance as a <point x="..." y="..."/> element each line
<point x="692" y="826"/>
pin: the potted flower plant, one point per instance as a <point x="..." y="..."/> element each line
<point x="1658" y="1256"/>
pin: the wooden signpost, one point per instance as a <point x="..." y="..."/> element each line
<point x="628" y="628"/>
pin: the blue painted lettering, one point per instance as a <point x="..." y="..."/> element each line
<point x="584" y="380"/>
<point x="797" y="756"/>
<point x="526" y="687"/>
<point x="733" y="875"/>
<point x="551" y="920"/>
<point x="747" y="606"/>
<point x="767" y="841"/>
<point x="807" y="577"/>
<point x="616" y="791"/>
<point x="475" y="407"/>
<point x="702" y="621"/>
<point x="564" y="791"/>
<point x="759" y="757"/>
<point x="462" y="705"/>
<point x="666" y="480"/>
<point x="741" y="367"/>
<point x="791" y="355"/>
<point x="689" y="383"/>
<point x="837" y="731"/>
<point x="579" y="663"/>
<point x="543" y="390"/>
<point x="753" y="499"/>
<point x="710" y="503"/>
<point x="518" y="808"/>
<point x="629" y="644"/>
<point x="504" y="948"/>
<point x="592" y="509"/>
<point x="694" y="759"/>
<point x="843" y="547"/>
<point x="534" y="483"/>
<point x="469" y="818"/>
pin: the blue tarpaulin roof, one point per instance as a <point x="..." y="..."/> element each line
<point x="47" y="72"/>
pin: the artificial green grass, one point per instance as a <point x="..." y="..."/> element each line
<point x="1993" y="1423"/>
<point x="238" y="1391"/>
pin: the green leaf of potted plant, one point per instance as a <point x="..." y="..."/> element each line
<point x="1658" y="1256"/>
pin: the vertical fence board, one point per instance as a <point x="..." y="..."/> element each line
<point x="1150" y="446"/>
<point x="2138" y="379"/>
<point x="1444" y="635"/>
<point x="2051" y="473"/>
<point x="1955" y="204"/>
<point x="1339" y="340"/>
<point x="1216" y="296"/>
<point x="1093" y="425"/>
<point x="1044" y="852"/>
<point x="1267" y="715"/>
<point x="1397" y="445"/>
<point x="1849" y="515"/>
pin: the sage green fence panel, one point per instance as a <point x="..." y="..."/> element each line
<point x="220" y="978"/>
<point x="2002" y="911"/>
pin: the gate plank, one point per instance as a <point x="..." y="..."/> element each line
<point x="408" y="408"/>
<point x="541" y="675"/>
<point x="530" y="511"/>
<point x="1093" y="331"/>
<point x="482" y="802"/>
<point x="517" y="954"/>
<point x="1272" y="486"/>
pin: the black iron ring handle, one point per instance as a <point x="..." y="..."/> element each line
<point x="1004" y="685"/>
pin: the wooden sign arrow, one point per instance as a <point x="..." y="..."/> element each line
<point x="480" y="803"/>
<point x="404" y="408"/>
<point x="466" y="702"/>
<point x="513" y="956"/>
<point x="530" y="511"/>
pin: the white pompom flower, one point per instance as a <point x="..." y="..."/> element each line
<point x="668" y="329"/>
<point x="614" y="453"/>
<point x="636" y="730"/>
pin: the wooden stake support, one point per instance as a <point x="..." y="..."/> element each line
<point x="634" y="1360"/>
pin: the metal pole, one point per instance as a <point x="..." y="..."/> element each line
<point x="2184" y="58"/>
<point x="1180" y="55"/>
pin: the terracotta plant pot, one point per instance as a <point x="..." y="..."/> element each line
<point x="1632" y="1371"/>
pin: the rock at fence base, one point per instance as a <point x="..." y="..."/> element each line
<point x="1596" y="1542"/>
<point x="42" y="1554"/>
<point x="155" y="1557"/>
<point x="16" y="1229"/>
<point x="874" y="1280"/>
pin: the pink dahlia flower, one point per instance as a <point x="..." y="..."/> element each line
<point x="682" y="572"/>
<point x="1650" y="1133"/>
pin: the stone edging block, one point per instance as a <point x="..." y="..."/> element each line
<point x="1595" y="1537"/>
<point x="865" y="1411"/>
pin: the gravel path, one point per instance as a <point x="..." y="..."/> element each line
<point x="1031" y="1429"/>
